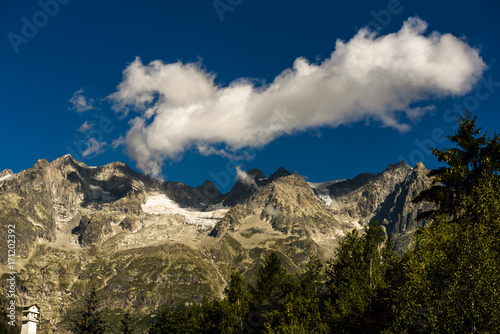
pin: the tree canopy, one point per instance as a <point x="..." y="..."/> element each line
<point x="473" y="157"/>
<point x="89" y="319"/>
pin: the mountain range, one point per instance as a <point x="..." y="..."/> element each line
<point x="149" y="245"/>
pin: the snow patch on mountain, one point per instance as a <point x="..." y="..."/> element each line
<point x="321" y="190"/>
<point x="99" y="193"/>
<point x="5" y="177"/>
<point x="323" y="185"/>
<point x="162" y="205"/>
<point x="326" y="199"/>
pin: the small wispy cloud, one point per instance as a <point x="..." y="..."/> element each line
<point x="416" y="113"/>
<point x="86" y="126"/>
<point x="120" y="141"/>
<point x="272" y="211"/>
<point x="80" y="103"/>
<point x="94" y="148"/>
<point x="246" y="179"/>
<point x="206" y="150"/>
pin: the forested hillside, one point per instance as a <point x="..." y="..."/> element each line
<point x="449" y="282"/>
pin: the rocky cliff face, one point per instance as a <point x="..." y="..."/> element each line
<point x="385" y="197"/>
<point x="148" y="244"/>
<point x="287" y="207"/>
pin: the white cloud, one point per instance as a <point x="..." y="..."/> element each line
<point x="206" y="150"/>
<point x="86" y="126"/>
<point x="414" y="114"/>
<point x="246" y="179"/>
<point x="118" y="142"/>
<point x="368" y="77"/>
<point x="271" y="211"/>
<point x="94" y="148"/>
<point x="80" y="103"/>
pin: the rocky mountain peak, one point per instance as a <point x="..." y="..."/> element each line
<point x="6" y="172"/>
<point x="41" y="163"/>
<point x="287" y="204"/>
<point x="280" y="172"/>
<point x="5" y="175"/>
<point x="208" y="193"/>
<point x="400" y="165"/>
<point x="256" y="173"/>
<point x="208" y="183"/>
<point x="67" y="158"/>
<point x="67" y="162"/>
<point x="117" y="164"/>
<point x="419" y="166"/>
<point x="245" y="187"/>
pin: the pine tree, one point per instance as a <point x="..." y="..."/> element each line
<point x="89" y="319"/>
<point x="300" y="311"/>
<point x="357" y="283"/>
<point x="450" y="283"/>
<point x="473" y="157"/>
<point x="238" y="298"/>
<point x="271" y="279"/>
<point x="210" y="317"/>
<point x="126" y="324"/>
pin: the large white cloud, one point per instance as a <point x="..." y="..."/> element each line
<point x="379" y="77"/>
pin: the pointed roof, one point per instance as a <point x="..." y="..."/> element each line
<point x="30" y="305"/>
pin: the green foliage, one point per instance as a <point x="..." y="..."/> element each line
<point x="126" y="324"/>
<point x="271" y="279"/>
<point x="474" y="157"/>
<point x="451" y="282"/>
<point x="357" y="282"/>
<point x="300" y="311"/>
<point x="89" y="319"/>
<point x="238" y="298"/>
<point x="211" y="317"/>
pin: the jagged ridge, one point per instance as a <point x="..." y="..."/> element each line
<point x="100" y="224"/>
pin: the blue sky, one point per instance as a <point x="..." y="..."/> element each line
<point x="206" y="88"/>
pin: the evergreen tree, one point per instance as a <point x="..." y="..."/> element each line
<point x="473" y="157"/>
<point x="451" y="282"/>
<point x="89" y="319"/>
<point x="357" y="283"/>
<point x="301" y="310"/>
<point x="271" y="279"/>
<point x="126" y="324"/>
<point x="238" y="298"/>
<point x="210" y="317"/>
<point x="184" y="320"/>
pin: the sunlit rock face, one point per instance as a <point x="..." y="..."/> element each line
<point x="385" y="197"/>
<point x="148" y="244"/>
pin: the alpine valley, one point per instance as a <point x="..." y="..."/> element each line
<point x="149" y="245"/>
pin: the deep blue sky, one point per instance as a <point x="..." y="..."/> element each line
<point x="86" y="46"/>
